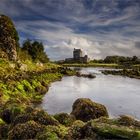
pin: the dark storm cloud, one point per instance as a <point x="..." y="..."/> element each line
<point x="99" y="27"/>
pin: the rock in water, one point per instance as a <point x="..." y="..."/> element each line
<point x="8" y="38"/>
<point x="84" y="109"/>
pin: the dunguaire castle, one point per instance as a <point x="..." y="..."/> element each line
<point x="78" y="57"/>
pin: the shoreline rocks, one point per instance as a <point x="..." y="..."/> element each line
<point x="92" y="123"/>
<point x="84" y="109"/>
<point x="125" y="72"/>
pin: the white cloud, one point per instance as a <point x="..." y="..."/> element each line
<point x="107" y="30"/>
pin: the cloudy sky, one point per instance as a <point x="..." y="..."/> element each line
<point x="98" y="27"/>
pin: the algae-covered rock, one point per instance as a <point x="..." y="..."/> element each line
<point x="4" y="128"/>
<point x="41" y="89"/>
<point x="53" y="133"/>
<point x="65" y="118"/>
<point x="38" y="116"/>
<point x="9" y="113"/>
<point x="128" y="121"/>
<point x="43" y="117"/>
<point x="90" y="75"/>
<point x="22" y="119"/>
<point x="84" y="109"/>
<point x="8" y="38"/>
<point x="105" y="129"/>
<point x="6" y="115"/>
<point x="74" y="132"/>
<point x="110" y="131"/>
<point x="24" y="131"/>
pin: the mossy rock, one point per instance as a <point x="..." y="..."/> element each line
<point x="128" y="121"/>
<point x="53" y="133"/>
<point x="74" y="132"/>
<point x="24" y="131"/>
<point x="65" y="118"/>
<point x="29" y="109"/>
<point x="84" y="109"/>
<point x="6" y="115"/>
<point x="43" y="117"/>
<point x="22" y="119"/>
<point x="4" y="128"/>
<point x="107" y="129"/>
<point x="115" y="131"/>
<point x="38" y="116"/>
<point x="12" y="111"/>
<point x="41" y="89"/>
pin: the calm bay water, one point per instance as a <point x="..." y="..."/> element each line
<point x="121" y="95"/>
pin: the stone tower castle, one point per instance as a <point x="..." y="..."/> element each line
<point x="78" y="57"/>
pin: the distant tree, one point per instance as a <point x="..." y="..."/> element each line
<point x="134" y="58"/>
<point x="35" y="50"/>
<point x="122" y="60"/>
<point x="111" y="59"/>
<point x="27" y="45"/>
<point x="97" y="61"/>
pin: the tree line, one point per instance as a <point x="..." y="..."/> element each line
<point x="122" y="60"/>
<point x="34" y="51"/>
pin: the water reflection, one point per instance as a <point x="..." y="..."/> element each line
<point x="120" y="95"/>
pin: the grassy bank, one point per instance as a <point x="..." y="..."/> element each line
<point x="24" y="83"/>
<point x="28" y="82"/>
<point x="92" y="65"/>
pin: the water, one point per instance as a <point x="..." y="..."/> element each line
<point x="121" y="95"/>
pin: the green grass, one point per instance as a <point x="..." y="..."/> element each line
<point x="91" y="65"/>
<point x="26" y="85"/>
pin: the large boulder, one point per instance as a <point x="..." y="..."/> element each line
<point x="8" y="38"/>
<point x="84" y="109"/>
